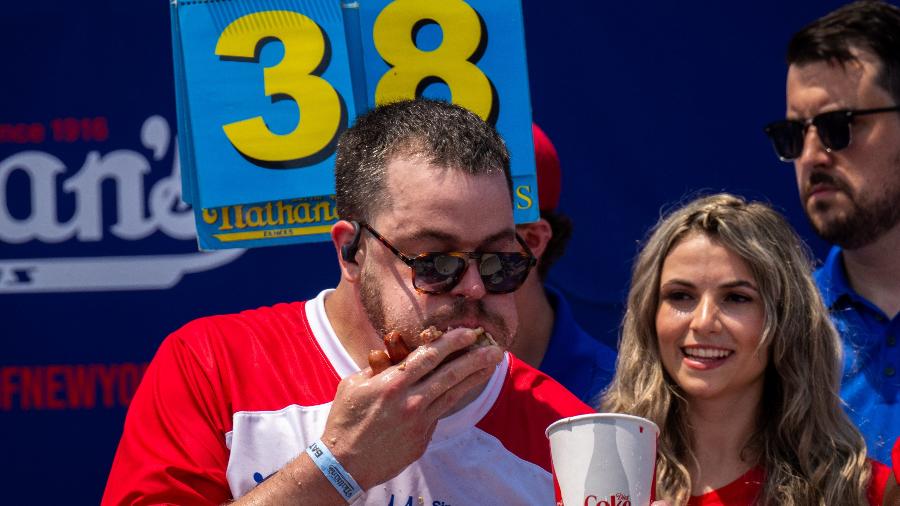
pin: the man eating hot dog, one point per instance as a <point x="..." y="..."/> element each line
<point x="279" y="405"/>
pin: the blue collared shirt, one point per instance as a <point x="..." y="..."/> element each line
<point x="871" y="382"/>
<point x="574" y="358"/>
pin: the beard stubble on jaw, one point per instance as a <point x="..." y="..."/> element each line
<point x="370" y="296"/>
<point x="869" y="217"/>
<point x="370" y="289"/>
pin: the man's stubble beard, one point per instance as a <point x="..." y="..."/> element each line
<point x="867" y="219"/>
<point x="370" y="296"/>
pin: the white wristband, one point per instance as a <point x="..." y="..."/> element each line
<point x="333" y="470"/>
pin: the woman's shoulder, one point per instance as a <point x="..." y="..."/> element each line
<point x="740" y="492"/>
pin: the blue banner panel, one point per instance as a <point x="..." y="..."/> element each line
<point x="469" y="52"/>
<point x="267" y="93"/>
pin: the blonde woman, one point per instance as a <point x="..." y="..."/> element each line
<point x="728" y="348"/>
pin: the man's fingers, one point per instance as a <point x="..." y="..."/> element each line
<point x="450" y="397"/>
<point x="427" y="357"/>
<point x="453" y="379"/>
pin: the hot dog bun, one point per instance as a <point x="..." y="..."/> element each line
<point x="397" y="348"/>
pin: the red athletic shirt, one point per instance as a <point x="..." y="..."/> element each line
<point x="744" y="490"/>
<point x="228" y="400"/>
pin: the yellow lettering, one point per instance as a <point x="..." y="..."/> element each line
<point x="284" y="213"/>
<point x="269" y="220"/>
<point x="328" y="211"/>
<point x="239" y="217"/>
<point x="524" y="199"/>
<point x="450" y="62"/>
<point x="254" y="217"/>
<point x="226" y="223"/>
<point x="306" y="208"/>
<point x="262" y="234"/>
<point x="210" y="216"/>
<point x="293" y="77"/>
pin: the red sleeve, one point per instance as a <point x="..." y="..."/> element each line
<point x="878" y="482"/>
<point x="173" y="446"/>
<point x="529" y="402"/>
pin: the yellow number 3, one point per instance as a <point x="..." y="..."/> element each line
<point x="462" y="36"/>
<point x="320" y="106"/>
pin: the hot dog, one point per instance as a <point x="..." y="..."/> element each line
<point x="397" y="348"/>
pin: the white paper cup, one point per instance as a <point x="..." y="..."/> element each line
<point x="604" y="459"/>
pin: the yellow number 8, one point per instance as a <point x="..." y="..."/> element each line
<point x="462" y="36"/>
<point x="320" y="106"/>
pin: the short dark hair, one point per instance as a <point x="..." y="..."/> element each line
<point x="872" y="25"/>
<point x="561" y="226"/>
<point x="443" y="133"/>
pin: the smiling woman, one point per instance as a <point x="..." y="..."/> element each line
<point x="728" y="348"/>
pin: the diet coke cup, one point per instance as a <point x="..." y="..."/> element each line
<point x="604" y="459"/>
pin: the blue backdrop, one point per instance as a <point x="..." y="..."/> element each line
<point x="646" y="104"/>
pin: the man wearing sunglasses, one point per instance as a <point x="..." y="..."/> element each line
<point x="279" y="405"/>
<point x="842" y="133"/>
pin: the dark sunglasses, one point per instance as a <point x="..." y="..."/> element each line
<point x="438" y="272"/>
<point x="833" y="128"/>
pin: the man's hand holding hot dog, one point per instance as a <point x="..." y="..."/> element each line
<point x="381" y="422"/>
<point x="372" y="412"/>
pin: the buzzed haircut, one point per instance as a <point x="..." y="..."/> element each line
<point x="441" y="133"/>
<point x="872" y="25"/>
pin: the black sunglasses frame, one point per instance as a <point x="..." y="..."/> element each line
<point x="411" y="262"/>
<point x="826" y="136"/>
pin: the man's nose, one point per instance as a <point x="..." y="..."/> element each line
<point x="471" y="286"/>
<point x="814" y="153"/>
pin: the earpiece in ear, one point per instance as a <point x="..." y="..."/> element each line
<point x="348" y="251"/>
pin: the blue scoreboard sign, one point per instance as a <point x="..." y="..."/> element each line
<point x="265" y="88"/>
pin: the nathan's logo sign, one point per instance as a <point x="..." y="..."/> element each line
<point x="612" y="500"/>
<point x="243" y="225"/>
<point x="106" y="200"/>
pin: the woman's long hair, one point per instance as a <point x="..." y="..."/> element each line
<point x="811" y="452"/>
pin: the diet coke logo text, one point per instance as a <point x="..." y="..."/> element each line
<point x="619" y="499"/>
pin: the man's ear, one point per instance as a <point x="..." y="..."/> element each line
<point x="536" y="235"/>
<point x="345" y="235"/>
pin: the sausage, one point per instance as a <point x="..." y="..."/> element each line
<point x="379" y="361"/>
<point x="397" y="349"/>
